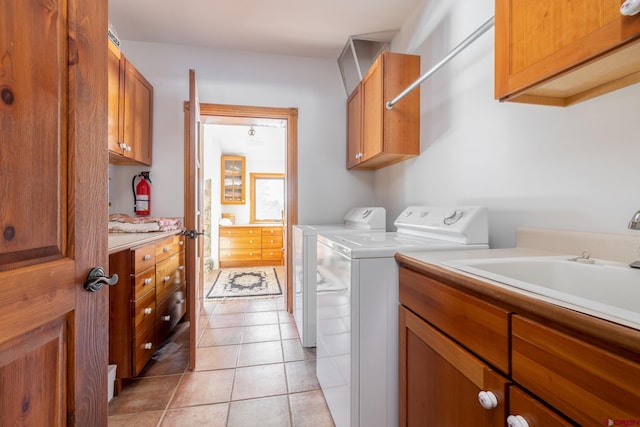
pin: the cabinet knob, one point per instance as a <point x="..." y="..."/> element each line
<point x="165" y="249"/>
<point x="181" y="267"/>
<point x="147" y="257"/>
<point x="250" y="253"/>
<point x="180" y="243"/>
<point x="250" y="231"/>
<point x="148" y="281"/>
<point x="517" y="421"/>
<point x="166" y="278"/>
<point x="148" y="310"/>
<point x="166" y="318"/>
<point x="180" y="301"/>
<point x="271" y="241"/>
<point x="487" y="400"/>
<point x="148" y="345"/>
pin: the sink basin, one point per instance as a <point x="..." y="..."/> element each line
<point x="610" y="289"/>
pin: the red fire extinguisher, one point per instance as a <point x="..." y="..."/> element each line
<point x="141" y="194"/>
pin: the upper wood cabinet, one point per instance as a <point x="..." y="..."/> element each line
<point x="130" y="112"/>
<point x="560" y="52"/>
<point x="232" y="180"/>
<point x="376" y="136"/>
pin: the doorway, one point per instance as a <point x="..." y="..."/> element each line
<point x="255" y="127"/>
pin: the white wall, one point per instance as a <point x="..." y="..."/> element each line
<point x="326" y="190"/>
<point x="568" y="168"/>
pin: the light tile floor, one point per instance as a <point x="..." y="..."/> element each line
<point x="251" y="371"/>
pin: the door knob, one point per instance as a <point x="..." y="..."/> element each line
<point x="97" y="278"/>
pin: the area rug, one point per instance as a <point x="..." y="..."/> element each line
<point x="245" y="282"/>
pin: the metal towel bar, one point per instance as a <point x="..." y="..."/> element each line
<point x="477" y="33"/>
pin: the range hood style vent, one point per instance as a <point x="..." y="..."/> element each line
<point x="358" y="55"/>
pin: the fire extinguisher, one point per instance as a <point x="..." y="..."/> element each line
<point x="141" y="194"/>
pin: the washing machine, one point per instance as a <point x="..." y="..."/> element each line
<point x="357" y="311"/>
<point x="304" y="263"/>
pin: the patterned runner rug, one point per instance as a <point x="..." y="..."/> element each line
<point x="245" y="282"/>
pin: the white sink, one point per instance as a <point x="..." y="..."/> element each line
<point x="606" y="288"/>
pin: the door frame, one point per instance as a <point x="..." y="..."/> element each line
<point x="290" y="115"/>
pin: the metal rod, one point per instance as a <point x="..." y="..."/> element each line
<point x="477" y="33"/>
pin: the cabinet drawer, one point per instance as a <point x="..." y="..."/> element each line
<point x="239" y="231"/>
<point x="587" y="383"/>
<point x="143" y="258"/>
<point x="272" y="255"/>
<point x="483" y="327"/>
<point x="240" y="254"/>
<point x="144" y="282"/>
<point x="144" y="312"/>
<point x="535" y="413"/>
<point x="271" y="231"/>
<point x="274" y="242"/>
<point x="169" y="274"/>
<point x="144" y="347"/>
<point x="239" y="242"/>
<point x="169" y="313"/>
<point x="168" y="247"/>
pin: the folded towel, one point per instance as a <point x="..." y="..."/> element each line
<point x="122" y="223"/>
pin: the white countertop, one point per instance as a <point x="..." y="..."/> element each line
<point x="122" y="241"/>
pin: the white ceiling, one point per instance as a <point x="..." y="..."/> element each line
<point x="314" y="28"/>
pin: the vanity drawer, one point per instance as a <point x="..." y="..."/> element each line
<point x="143" y="257"/>
<point x="240" y="231"/>
<point x="168" y="246"/>
<point x="272" y="255"/>
<point x="144" y="282"/>
<point x="144" y="347"/>
<point x="272" y="241"/>
<point x="170" y="312"/>
<point x="586" y="382"/>
<point x="144" y="312"/>
<point x="482" y="327"/>
<point x="240" y="242"/>
<point x="271" y="231"/>
<point x="169" y="274"/>
<point x="240" y="254"/>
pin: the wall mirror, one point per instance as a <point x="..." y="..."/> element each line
<point x="267" y="197"/>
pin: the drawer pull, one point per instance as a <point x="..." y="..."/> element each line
<point x="148" y="310"/>
<point x="166" y="278"/>
<point x="271" y="241"/>
<point x="166" y="318"/>
<point x="250" y="231"/>
<point x="181" y="267"/>
<point x="487" y="400"/>
<point x="147" y="257"/>
<point x="148" y="345"/>
<point x="250" y="241"/>
<point x="180" y="301"/>
<point x="517" y="421"/>
<point x="148" y="281"/>
<point x="180" y="243"/>
<point x="165" y="249"/>
<point x="250" y="253"/>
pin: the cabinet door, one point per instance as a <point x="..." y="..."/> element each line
<point x="537" y="40"/>
<point x="440" y="381"/>
<point x="138" y="112"/>
<point x="232" y="180"/>
<point x="372" y="111"/>
<point x="114" y="87"/>
<point x="354" y="127"/>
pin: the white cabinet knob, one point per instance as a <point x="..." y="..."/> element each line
<point x="147" y="257"/>
<point x="487" y="400"/>
<point x="166" y="318"/>
<point x="148" y="281"/>
<point x="148" y="310"/>
<point x="517" y="421"/>
<point x="166" y="278"/>
<point x="181" y="267"/>
<point x="180" y="243"/>
<point x="165" y="249"/>
<point x="148" y="345"/>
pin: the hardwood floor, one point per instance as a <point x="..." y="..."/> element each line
<point x="252" y="371"/>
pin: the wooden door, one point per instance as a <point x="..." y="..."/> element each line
<point x="354" y="127"/>
<point x="138" y="114"/>
<point x="373" y="111"/>
<point x="53" y="215"/>
<point x="440" y="381"/>
<point x="193" y="196"/>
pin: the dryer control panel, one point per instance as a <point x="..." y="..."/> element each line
<point x="461" y="224"/>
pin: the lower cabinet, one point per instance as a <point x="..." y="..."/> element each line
<point x="146" y="304"/>
<point x="247" y="246"/>
<point x="548" y="375"/>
